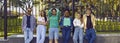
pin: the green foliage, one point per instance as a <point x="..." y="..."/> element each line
<point x="14" y="26"/>
<point x="108" y="26"/>
<point x="19" y="3"/>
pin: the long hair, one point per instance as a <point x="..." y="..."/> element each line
<point x="79" y="14"/>
<point x="81" y="18"/>
<point x="44" y="15"/>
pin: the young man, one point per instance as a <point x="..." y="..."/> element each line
<point x="53" y="15"/>
<point x="89" y="26"/>
<point x="28" y="25"/>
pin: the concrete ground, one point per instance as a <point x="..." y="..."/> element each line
<point x="101" y="38"/>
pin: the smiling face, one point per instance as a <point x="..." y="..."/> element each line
<point x="41" y="13"/>
<point x="54" y="11"/>
<point x="29" y="11"/>
<point x="78" y="16"/>
<point x="66" y="14"/>
<point x="88" y="12"/>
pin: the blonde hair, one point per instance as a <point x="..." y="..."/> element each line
<point x="78" y="14"/>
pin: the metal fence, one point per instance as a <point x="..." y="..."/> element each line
<point x="106" y="12"/>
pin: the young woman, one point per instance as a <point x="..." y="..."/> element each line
<point x="66" y="23"/>
<point x="41" y="28"/>
<point x="78" y="24"/>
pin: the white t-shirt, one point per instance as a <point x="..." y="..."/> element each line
<point x="78" y="23"/>
<point x="41" y="19"/>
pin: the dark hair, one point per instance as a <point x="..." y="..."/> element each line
<point x="67" y="10"/>
<point x="81" y="15"/>
<point x="54" y="9"/>
<point x="29" y="9"/>
<point x="44" y="15"/>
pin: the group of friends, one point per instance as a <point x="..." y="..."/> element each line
<point x="81" y="23"/>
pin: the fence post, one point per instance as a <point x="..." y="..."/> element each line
<point x="73" y="12"/>
<point x="5" y="19"/>
<point x="73" y="8"/>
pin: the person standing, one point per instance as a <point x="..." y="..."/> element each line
<point x="78" y="24"/>
<point x="53" y="15"/>
<point x="28" y="25"/>
<point x="89" y="26"/>
<point x="66" y="24"/>
<point x="41" y="27"/>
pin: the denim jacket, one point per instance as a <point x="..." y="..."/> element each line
<point x="62" y="19"/>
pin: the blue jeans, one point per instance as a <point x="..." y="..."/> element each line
<point x="90" y="35"/>
<point x="41" y="31"/>
<point x="78" y="34"/>
<point x="66" y="31"/>
<point x="53" y="33"/>
<point x="28" y="35"/>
